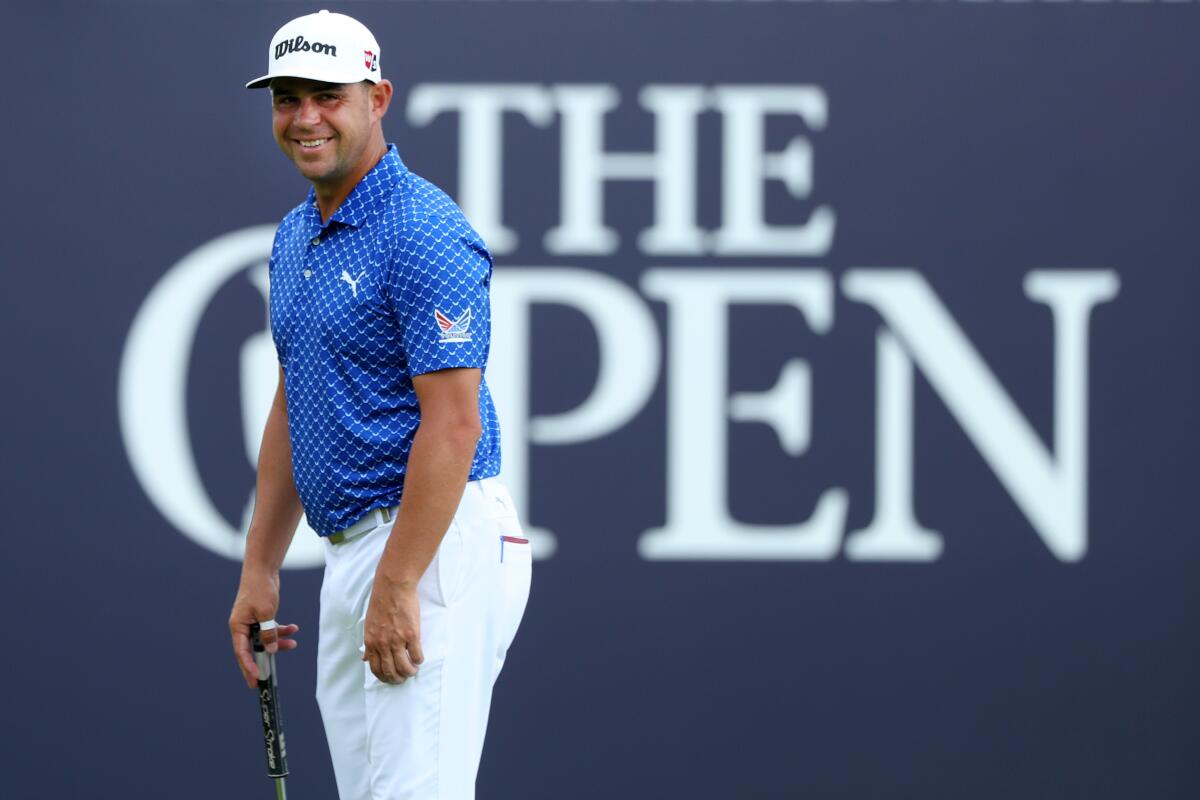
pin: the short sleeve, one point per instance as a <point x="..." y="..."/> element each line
<point x="439" y="283"/>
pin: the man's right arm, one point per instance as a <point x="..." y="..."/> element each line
<point x="277" y="512"/>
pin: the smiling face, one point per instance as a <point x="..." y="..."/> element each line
<point x="330" y="131"/>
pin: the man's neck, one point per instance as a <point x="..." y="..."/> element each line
<point x="330" y="197"/>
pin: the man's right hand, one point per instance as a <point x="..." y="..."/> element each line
<point x="257" y="601"/>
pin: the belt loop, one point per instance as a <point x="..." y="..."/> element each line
<point x="386" y="513"/>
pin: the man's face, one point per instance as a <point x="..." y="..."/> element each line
<point x="324" y="128"/>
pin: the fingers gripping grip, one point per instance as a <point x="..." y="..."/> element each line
<point x="268" y="706"/>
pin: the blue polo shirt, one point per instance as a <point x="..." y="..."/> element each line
<point x="395" y="285"/>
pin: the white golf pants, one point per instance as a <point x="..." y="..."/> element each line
<point x="422" y="739"/>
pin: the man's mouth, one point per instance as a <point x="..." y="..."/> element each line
<point x="309" y="144"/>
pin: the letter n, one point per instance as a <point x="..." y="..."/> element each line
<point x="1050" y="487"/>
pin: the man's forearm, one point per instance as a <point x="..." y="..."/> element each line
<point x="438" y="467"/>
<point x="277" y="507"/>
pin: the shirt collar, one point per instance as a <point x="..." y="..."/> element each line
<point x="364" y="198"/>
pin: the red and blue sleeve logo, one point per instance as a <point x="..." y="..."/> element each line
<point x="456" y="330"/>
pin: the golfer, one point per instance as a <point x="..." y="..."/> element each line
<point x="383" y="433"/>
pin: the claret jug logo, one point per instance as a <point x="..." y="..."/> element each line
<point x="152" y="392"/>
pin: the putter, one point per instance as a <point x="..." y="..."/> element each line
<point x="268" y="707"/>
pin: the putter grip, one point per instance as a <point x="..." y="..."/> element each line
<point x="268" y="707"/>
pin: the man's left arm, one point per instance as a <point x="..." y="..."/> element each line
<point x="439" y="464"/>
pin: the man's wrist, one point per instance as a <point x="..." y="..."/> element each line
<point x="397" y="576"/>
<point x="253" y="572"/>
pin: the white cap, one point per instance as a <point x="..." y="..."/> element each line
<point x="326" y="47"/>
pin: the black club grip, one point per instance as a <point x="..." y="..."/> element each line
<point x="268" y="706"/>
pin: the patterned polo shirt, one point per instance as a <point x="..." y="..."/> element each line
<point x="395" y="285"/>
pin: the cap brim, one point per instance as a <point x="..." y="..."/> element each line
<point x="312" y="75"/>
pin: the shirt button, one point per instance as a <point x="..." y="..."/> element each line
<point x="316" y="240"/>
<point x="308" y="273"/>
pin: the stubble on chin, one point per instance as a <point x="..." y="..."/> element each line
<point x="315" y="171"/>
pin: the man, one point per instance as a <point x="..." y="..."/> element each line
<point x="383" y="433"/>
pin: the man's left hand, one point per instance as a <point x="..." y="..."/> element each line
<point x="392" y="631"/>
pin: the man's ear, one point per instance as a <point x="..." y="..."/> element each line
<point x="380" y="97"/>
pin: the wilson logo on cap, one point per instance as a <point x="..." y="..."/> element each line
<point x="302" y="49"/>
<point x="301" y="45"/>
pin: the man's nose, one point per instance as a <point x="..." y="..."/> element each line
<point x="307" y="112"/>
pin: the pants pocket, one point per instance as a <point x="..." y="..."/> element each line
<point x="516" y="570"/>
<point x="446" y="573"/>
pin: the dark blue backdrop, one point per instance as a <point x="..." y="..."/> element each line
<point x="972" y="142"/>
